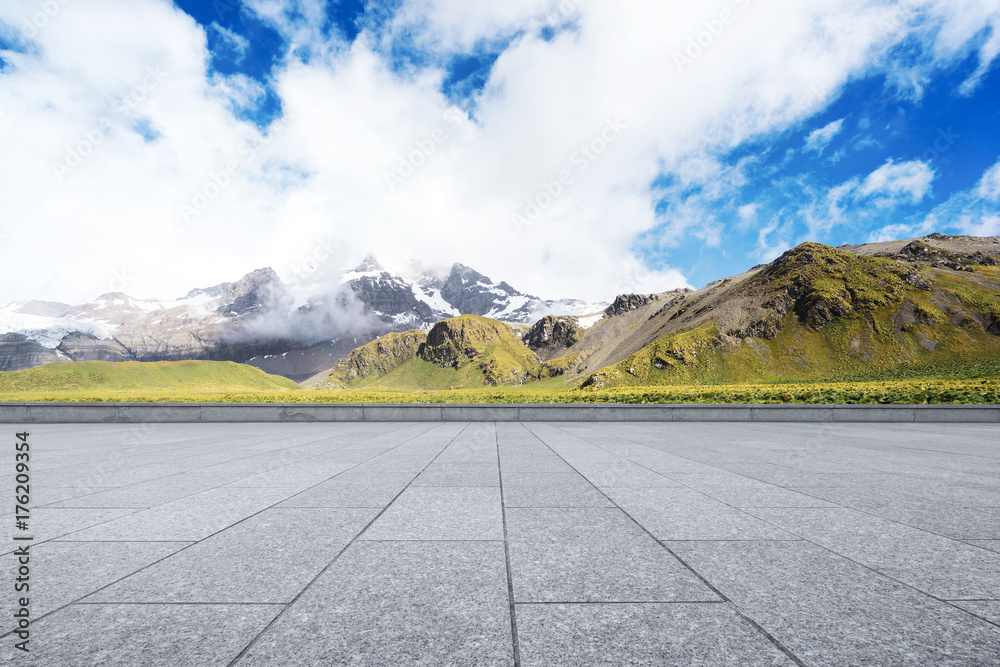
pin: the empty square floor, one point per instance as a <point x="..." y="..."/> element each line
<point x="534" y="544"/>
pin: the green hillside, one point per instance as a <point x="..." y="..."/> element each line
<point x="372" y="361"/>
<point x="829" y="313"/>
<point x="104" y="377"/>
<point x="459" y="353"/>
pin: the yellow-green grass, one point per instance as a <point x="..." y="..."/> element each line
<point x="128" y="378"/>
<point x="227" y="382"/>
<point x="929" y="391"/>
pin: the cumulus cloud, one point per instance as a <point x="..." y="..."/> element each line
<point x="821" y="138"/>
<point x="974" y="212"/>
<point x="238" y="45"/>
<point x="571" y="130"/>
<point x="989" y="184"/>
<point x="987" y="54"/>
<point x="894" y="182"/>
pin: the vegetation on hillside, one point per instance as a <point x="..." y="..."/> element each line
<point x="462" y="352"/>
<point x="829" y="312"/>
<point x="126" y="377"/>
<point x="817" y="325"/>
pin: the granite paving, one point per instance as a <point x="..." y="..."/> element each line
<point x="507" y="544"/>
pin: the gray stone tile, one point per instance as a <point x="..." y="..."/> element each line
<point x="46" y="523"/>
<point x="64" y="572"/>
<point x="658" y="461"/>
<point x="188" y="519"/>
<point x="459" y="474"/>
<point x="935" y="516"/>
<point x="602" y="635"/>
<point x="394" y="462"/>
<point x="740" y="491"/>
<point x="56" y="496"/>
<point x="623" y="473"/>
<point x="148" y="494"/>
<point x="300" y="475"/>
<point x="984" y="609"/>
<point x="992" y="545"/>
<point x="485" y="452"/>
<point x="830" y="611"/>
<point x="269" y="557"/>
<point x="353" y="489"/>
<point x="441" y="513"/>
<point x="593" y="555"/>
<point x="542" y="489"/>
<point x="796" y="480"/>
<point x="940" y="566"/>
<point x="533" y="463"/>
<point x="398" y="603"/>
<point x="672" y="513"/>
<point x="155" y="635"/>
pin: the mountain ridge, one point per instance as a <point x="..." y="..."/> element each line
<point x="813" y="311"/>
<point x="257" y="320"/>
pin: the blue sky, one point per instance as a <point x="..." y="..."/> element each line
<point x="570" y="147"/>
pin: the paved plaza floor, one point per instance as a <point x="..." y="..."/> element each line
<point x="508" y="544"/>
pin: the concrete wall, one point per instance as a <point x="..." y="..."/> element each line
<point x="126" y="413"/>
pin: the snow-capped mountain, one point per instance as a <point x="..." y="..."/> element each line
<point x="418" y="299"/>
<point x="258" y="320"/>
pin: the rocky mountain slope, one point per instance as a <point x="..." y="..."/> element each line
<point x="459" y="352"/>
<point x="814" y="312"/>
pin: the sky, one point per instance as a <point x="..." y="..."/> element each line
<point x="573" y="148"/>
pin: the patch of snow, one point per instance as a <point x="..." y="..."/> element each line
<point x="590" y="320"/>
<point x="49" y="331"/>
<point x="432" y="297"/>
<point x="405" y="319"/>
<point x="512" y="305"/>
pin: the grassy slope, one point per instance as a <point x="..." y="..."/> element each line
<point x="130" y="380"/>
<point x="846" y="320"/>
<point x="375" y="359"/>
<point x="468" y="352"/>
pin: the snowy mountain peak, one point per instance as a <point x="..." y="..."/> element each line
<point x="368" y="265"/>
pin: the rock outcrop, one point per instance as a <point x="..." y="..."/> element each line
<point x="472" y="293"/>
<point x="492" y="346"/>
<point x="551" y="336"/>
<point x="257" y="292"/>
<point x="378" y="357"/>
<point x="629" y="302"/>
<point x="390" y="296"/>
<point x="18" y="352"/>
<point x="87" y="347"/>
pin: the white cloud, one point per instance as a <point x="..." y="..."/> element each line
<point x="821" y="138"/>
<point x="768" y="250"/>
<point x="748" y="212"/>
<point x="460" y="24"/>
<point x="893" y="182"/>
<point x="987" y="54"/>
<point x="989" y="184"/>
<point x="974" y="212"/>
<point x="350" y="120"/>
<point x="238" y="44"/>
